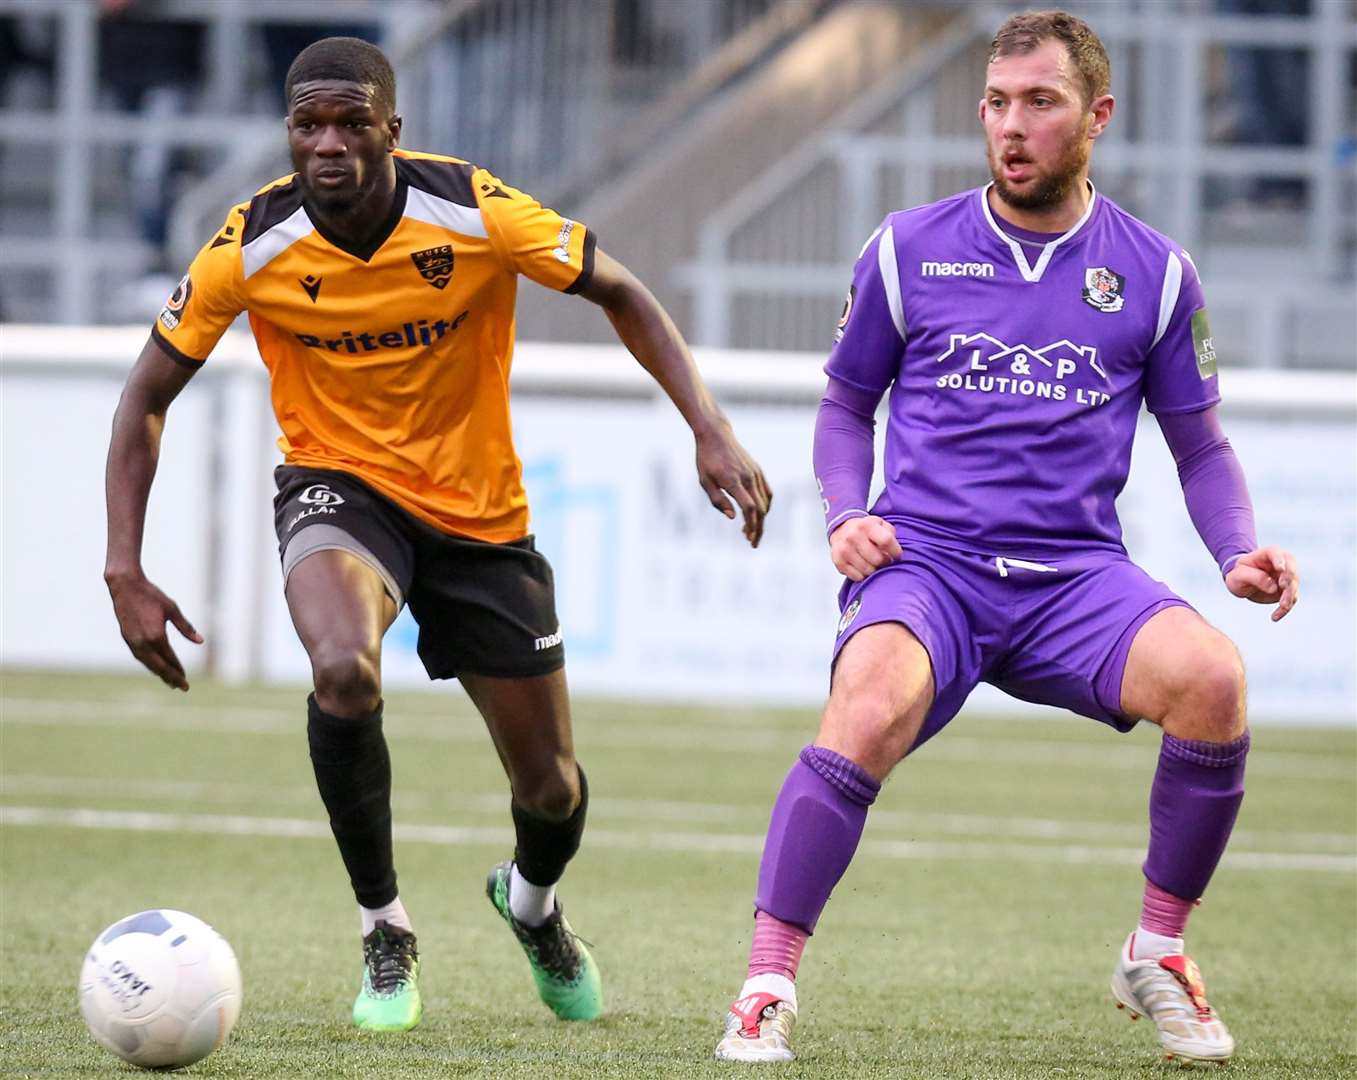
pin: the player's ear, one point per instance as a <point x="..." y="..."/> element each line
<point x="1101" y="109"/>
<point x="393" y="132"/>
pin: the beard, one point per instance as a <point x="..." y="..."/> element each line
<point x="336" y="201"/>
<point x="1056" y="182"/>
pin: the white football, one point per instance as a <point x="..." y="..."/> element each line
<point x="160" y="988"/>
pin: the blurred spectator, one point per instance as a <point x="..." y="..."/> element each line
<point x="25" y="81"/>
<point x="1270" y="91"/>
<point x="19" y="52"/>
<point x="154" y="67"/>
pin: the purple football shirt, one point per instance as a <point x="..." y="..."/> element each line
<point x="1017" y="368"/>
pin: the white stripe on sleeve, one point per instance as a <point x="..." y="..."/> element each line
<point x="890" y="278"/>
<point x="1168" y="298"/>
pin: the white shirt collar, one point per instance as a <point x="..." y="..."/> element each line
<point x="1029" y="272"/>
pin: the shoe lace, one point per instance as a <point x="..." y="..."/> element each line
<point x="554" y="945"/>
<point x="390" y="957"/>
<point x="1186" y="973"/>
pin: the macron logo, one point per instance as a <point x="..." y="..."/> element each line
<point x="956" y="269"/>
<point x="548" y="642"/>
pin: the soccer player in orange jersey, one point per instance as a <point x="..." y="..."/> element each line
<point x="380" y="286"/>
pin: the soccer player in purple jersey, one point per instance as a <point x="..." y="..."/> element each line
<point x="1018" y="328"/>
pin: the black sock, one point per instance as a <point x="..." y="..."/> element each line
<point x="353" y="772"/>
<point x="544" y="847"/>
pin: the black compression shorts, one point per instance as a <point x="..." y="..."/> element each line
<point x="482" y="608"/>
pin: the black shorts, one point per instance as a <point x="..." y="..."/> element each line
<point x="482" y="608"/>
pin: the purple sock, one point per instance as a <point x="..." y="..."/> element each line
<point x="816" y="824"/>
<point x="1193" y="803"/>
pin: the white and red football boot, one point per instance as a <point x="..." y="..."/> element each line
<point x="760" y="1021"/>
<point x="1169" y="990"/>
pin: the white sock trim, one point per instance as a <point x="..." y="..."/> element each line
<point x="528" y="903"/>
<point x="393" y="913"/>
<point x="770" y="982"/>
<point x="1147" y="945"/>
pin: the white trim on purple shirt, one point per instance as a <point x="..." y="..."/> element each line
<point x="890" y="279"/>
<point x="1168" y="298"/>
<point x="1031" y="273"/>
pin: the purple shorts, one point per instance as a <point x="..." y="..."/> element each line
<point x="1055" y="632"/>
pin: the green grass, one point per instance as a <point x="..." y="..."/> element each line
<point x="984" y="956"/>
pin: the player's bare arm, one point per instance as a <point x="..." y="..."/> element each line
<point x="863" y="545"/>
<point x="724" y="467"/>
<point x="1267" y="575"/>
<point x="141" y="608"/>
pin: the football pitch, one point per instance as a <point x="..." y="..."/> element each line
<point x="972" y="937"/>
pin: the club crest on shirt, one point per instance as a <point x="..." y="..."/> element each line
<point x="847" y="311"/>
<point x="1103" y="288"/>
<point x="434" y="265"/>
<point x="849" y="614"/>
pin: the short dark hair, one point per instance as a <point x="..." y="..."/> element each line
<point x="1024" y="32"/>
<point x="348" y="59"/>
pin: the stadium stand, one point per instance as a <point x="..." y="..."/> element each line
<point x="538" y="89"/>
<point x="735" y="154"/>
<point x="1279" y="276"/>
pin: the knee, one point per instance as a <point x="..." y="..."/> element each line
<point x="881" y="690"/>
<point x="1212" y="696"/>
<point x="551" y="793"/>
<point x="868" y="710"/>
<point x="347" y="678"/>
<point x="869" y="725"/>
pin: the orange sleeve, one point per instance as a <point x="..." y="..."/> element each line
<point x="207" y="299"/>
<point x="534" y="240"/>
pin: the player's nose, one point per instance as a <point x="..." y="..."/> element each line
<point x="331" y="142"/>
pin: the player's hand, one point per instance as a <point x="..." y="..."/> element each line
<point x="726" y="471"/>
<point x="862" y="545"/>
<point x="1266" y="576"/>
<point x="142" y="611"/>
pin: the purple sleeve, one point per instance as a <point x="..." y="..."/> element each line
<point x="1180" y="371"/>
<point x="870" y="340"/>
<point x="1213" y="484"/>
<point x="844" y="452"/>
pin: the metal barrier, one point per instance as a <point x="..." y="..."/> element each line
<point x="536" y="89"/>
<point x="757" y="282"/>
<point x="82" y="263"/>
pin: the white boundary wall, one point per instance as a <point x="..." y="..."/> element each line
<point x="659" y="596"/>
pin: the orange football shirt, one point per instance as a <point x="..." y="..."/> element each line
<point x="390" y="363"/>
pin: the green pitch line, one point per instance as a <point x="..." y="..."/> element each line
<point x="928" y="965"/>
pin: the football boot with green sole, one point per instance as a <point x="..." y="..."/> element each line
<point x="389" y="999"/>
<point x="566" y="976"/>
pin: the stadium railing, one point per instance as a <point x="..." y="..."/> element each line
<point x="1285" y="303"/>
<point x="539" y="89"/>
